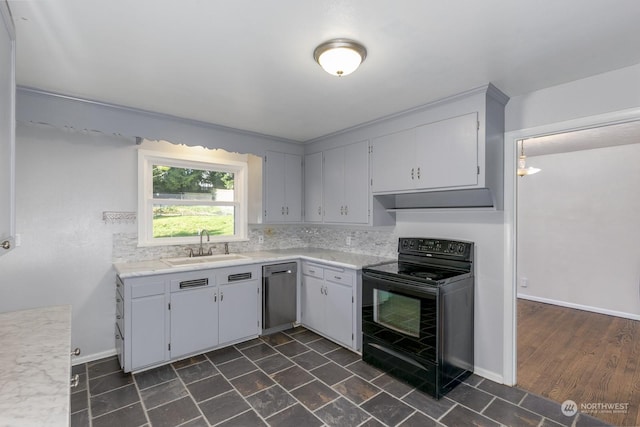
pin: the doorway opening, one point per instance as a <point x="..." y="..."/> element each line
<point x="578" y="270"/>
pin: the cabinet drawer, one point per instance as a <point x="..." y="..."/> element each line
<point x="312" y="270"/>
<point x="193" y="280"/>
<point x="119" y="345"/>
<point x="119" y="306"/>
<point x="237" y="274"/>
<point x="120" y="324"/>
<point x="337" y="276"/>
<point x="146" y="289"/>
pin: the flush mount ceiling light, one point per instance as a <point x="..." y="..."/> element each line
<point x="522" y="164"/>
<point x="340" y="57"/>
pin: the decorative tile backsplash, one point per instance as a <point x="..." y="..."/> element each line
<point x="370" y="242"/>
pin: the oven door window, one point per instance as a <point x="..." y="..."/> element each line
<point x="398" y="312"/>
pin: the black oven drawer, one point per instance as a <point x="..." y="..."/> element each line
<point x="421" y="375"/>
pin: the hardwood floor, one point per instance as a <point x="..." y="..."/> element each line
<point x="590" y="358"/>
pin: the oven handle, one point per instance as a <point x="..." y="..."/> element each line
<point x="398" y="284"/>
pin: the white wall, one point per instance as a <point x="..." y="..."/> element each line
<point x="603" y="93"/>
<point x="485" y="229"/>
<point x="64" y="181"/>
<point x="578" y="230"/>
<point x="597" y="100"/>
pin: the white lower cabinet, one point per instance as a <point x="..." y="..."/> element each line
<point x="194" y="321"/>
<point x="239" y="305"/>
<point x="328" y="299"/>
<point x="167" y="317"/>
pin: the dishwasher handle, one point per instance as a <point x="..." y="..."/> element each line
<point x="278" y="269"/>
<point x="275" y="273"/>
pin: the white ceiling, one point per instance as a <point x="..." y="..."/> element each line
<point x="248" y="64"/>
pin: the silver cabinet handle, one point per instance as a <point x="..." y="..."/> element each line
<point x="319" y="210"/>
<point x="76" y="351"/>
<point x="346" y="210"/>
<point x="287" y="210"/>
<point x="117" y="317"/>
<point x="412" y="173"/>
<point x="283" y="210"/>
<point x="6" y="244"/>
<point x="312" y="271"/>
<point x="326" y="290"/>
<point x="418" y="173"/>
<point x="221" y="296"/>
<point x="75" y="380"/>
<point x="215" y="297"/>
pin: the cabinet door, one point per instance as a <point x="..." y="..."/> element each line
<point x="333" y="185"/>
<point x="293" y="188"/>
<point x="356" y="183"/>
<point x="313" y="302"/>
<point x="447" y="152"/>
<point x="238" y="317"/>
<point x="149" y="343"/>
<point x="392" y="159"/>
<point x="7" y="130"/>
<point x="339" y="312"/>
<point x="274" y="187"/>
<point x="194" y="321"/>
<point x="313" y="187"/>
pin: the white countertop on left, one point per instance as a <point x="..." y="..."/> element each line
<point x="35" y="367"/>
<point x="325" y="256"/>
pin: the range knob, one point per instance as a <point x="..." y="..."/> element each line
<point x="460" y="248"/>
<point x="452" y="247"/>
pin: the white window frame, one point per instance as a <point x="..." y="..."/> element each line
<point x="146" y="160"/>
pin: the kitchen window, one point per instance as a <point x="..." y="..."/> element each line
<point x="180" y="195"/>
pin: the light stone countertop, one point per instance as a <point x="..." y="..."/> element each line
<point x="35" y="367"/>
<point x="325" y="256"/>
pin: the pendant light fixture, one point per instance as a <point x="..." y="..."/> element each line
<point x="340" y="57"/>
<point x="522" y="163"/>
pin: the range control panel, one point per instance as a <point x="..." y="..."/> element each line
<point x="431" y="247"/>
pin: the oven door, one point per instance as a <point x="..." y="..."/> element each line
<point x="400" y="329"/>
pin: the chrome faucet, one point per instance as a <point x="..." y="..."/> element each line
<point x="226" y="248"/>
<point x="201" y="250"/>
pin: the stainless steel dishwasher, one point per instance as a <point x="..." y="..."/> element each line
<point x="279" y="296"/>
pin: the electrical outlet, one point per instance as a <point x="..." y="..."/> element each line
<point x="348" y="240"/>
<point x="260" y="239"/>
<point x="524" y="282"/>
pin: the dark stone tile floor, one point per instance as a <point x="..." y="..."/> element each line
<point x="293" y="378"/>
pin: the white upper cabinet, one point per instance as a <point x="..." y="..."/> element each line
<point x="432" y="156"/>
<point x="445" y="155"/>
<point x="346" y="184"/>
<point x="447" y="152"/>
<point x="392" y="158"/>
<point x="313" y="187"/>
<point x="7" y="130"/>
<point x="283" y="187"/>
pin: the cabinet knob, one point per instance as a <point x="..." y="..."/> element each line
<point x="6" y="244"/>
<point x="76" y="351"/>
<point x="75" y="380"/>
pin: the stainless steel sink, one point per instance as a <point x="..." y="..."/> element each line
<point x="207" y="259"/>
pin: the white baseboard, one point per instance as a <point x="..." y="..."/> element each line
<point x="581" y="307"/>
<point x="488" y="375"/>
<point x="91" y="357"/>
